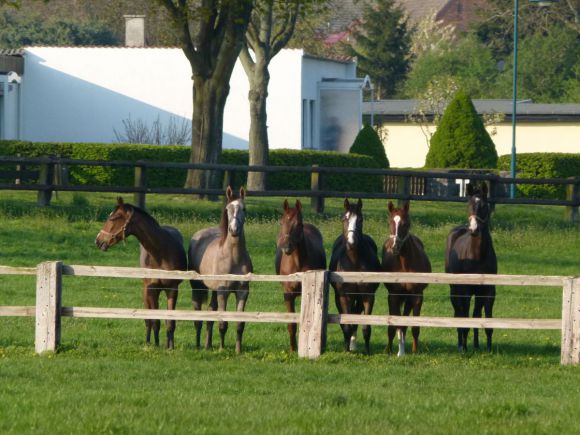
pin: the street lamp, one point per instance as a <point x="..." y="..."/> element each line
<point x="515" y="93"/>
<point x="368" y="86"/>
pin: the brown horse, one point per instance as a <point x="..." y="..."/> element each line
<point x="404" y="252"/>
<point x="221" y="251"/>
<point x="354" y="251"/>
<point x="470" y="250"/>
<point x="161" y="248"/>
<point x="299" y="248"/>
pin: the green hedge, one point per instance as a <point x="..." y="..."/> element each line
<point x="543" y="165"/>
<point x="89" y="175"/>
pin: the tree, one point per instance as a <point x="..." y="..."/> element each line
<point x="271" y="26"/>
<point x="368" y="142"/>
<point x="211" y="33"/>
<point x="382" y="45"/>
<point x="461" y="140"/>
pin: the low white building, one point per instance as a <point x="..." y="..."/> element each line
<point x="83" y="94"/>
<point x="551" y="128"/>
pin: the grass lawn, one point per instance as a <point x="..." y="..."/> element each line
<point x="105" y="380"/>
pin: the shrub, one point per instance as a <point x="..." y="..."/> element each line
<point x="543" y="165"/>
<point x="461" y="140"/>
<point x="368" y="143"/>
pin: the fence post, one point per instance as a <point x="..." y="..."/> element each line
<point x="570" y="351"/>
<point x="141" y="183"/>
<point x="228" y="179"/>
<point x="572" y="194"/>
<point x="45" y="177"/>
<point x="48" y="305"/>
<point x="404" y="189"/>
<point x="316" y="202"/>
<point x="313" y="314"/>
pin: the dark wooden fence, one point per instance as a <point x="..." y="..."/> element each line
<point x="438" y="185"/>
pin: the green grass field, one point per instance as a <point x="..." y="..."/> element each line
<point x="105" y="380"/>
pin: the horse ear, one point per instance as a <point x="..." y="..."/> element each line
<point x="229" y="193"/>
<point x="469" y="189"/>
<point x="120" y="200"/>
<point x="359" y="204"/>
<point x="285" y="205"/>
<point x="298" y="205"/>
<point x="242" y="192"/>
<point x="346" y="204"/>
<point x="391" y="207"/>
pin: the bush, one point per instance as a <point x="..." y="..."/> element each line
<point x="118" y="176"/>
<point x="543" y="165"/>
<point x="368" y="143"/>
<point x="461" y="140"/>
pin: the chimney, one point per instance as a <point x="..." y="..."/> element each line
<point x="134" y="30"/>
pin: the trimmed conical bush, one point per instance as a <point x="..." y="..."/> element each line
<point x="368" y="142"/>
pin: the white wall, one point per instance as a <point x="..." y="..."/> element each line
<point x="9" y="108"/>
<point x="406" y="146"/>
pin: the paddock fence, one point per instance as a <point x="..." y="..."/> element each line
<point x="313" y="316"/>
<point x="50" y="176"/>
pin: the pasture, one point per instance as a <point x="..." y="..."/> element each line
<point x="106" y="380"/>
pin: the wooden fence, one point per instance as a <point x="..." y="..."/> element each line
<point x="397" y="184"/>
<point x="313" y="316"/>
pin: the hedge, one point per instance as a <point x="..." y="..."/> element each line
<point x="543" y="165"/>
<point x="96" y="175"/>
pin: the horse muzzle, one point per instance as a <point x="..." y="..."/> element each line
<point x="102" y="245"/>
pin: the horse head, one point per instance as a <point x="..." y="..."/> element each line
<point x="234" y="213"/>
<point x="352" y="223"/>
<point x="115" y="228"/>
<point x="399" y="225"/>
<point x="292" y="228"/>
<point x="478" y="207"/>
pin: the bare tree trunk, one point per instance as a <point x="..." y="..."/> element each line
<point x="258" y="126"/>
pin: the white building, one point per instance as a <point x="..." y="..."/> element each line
<point x="83" y="94"/>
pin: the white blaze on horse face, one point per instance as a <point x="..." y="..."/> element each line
<point x="351" y="228"/>
<point x="235" y="217"/>
<point x="397" y="220"/>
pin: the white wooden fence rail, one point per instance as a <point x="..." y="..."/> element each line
<point x="313" y="316"/>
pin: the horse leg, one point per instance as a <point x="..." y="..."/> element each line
<point x="402" y="330"/>
<point x="344" y="304"/>
<point x="197" y="323"/>
<point x="209" y="331"/>
<point x="460" y="302"/>
<point x="289" y="301"/>
<point x="477" y="310"/>
<point x="222" y="301"/>
<point x="417" y="304"/>
<point x="241" y="298"/>
<point x="170" y="324"/>
<point x="488" y="307"/>
<point x="147" y="305"/>
<point x="368" y="303"/>
<point x="152" y="303"/>
<point x="394" y="300"/>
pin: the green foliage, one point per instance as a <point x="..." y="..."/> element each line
<point x="543" y="165"/>
<point x="382" y="45"/>
<point x="461" y="140"/>
<point x="119" y="176"/>
<point x="17" y="31"/>
<point x="368" y="143"/>
<point x="467" y="62"/>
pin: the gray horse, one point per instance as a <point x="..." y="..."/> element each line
<point x="220" y="251"/>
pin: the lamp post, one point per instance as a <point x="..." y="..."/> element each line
<point x="515" y="91"/>
<point x="368" y="86"/>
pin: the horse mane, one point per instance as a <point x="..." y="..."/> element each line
<point x="143" y="213"/>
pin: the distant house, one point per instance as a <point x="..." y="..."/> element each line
<point x="539" y="128"/>
<point x="83" y="94"/>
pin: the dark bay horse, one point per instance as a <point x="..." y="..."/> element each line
<point x="160" y="248"/>
<point x="299" y="248"/>
<point x="221" y="251"/>
<point x="470" y="250"/>
<point x="354" y="251"/>
<point x="404" y="252"/>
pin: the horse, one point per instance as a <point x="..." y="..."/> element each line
<point x="220" y="251"/>
<point x="354" y="251"/>
<point x="404" y="252"/>
<point x="299" y="248"/>
<point x="470" y="250"/>
<point x="161" y="247"/>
